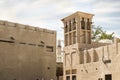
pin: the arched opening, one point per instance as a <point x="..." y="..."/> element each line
<point x="95" y="56"/>
<point x="88" y="57"/>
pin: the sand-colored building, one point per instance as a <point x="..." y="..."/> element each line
<point x="27" y="52"/>
<point x="83" y="59"/>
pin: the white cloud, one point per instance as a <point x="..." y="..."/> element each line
<point x="107" y="7"/>
<point x="47" y="13"/>
<point x="107" y="14"/>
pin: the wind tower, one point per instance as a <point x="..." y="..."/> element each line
<point x="77" y="28"/>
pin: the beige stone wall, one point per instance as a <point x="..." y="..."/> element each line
<point x="26" y="53"/>
<point x="94" y="64"/>
<point x="116" y="65"/>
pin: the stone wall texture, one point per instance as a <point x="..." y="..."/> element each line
<point x="26" y="52"/>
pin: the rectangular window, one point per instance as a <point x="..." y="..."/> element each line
<point x="100" y="79"/>
<point x="74" y="71"/>
<point x="108" y="77"/>
<point x="49" y="48"/>
<point x="67" y="72"/>
<point x="73" y="77"/>
<point x="67" y="77"/>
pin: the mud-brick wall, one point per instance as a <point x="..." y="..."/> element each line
<point x="26" y="52"/>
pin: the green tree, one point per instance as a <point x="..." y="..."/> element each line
<point x="98" y="34"/>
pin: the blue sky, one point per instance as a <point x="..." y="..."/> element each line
<point x="48" y="13"/>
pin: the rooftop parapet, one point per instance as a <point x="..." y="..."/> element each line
<point x="27" y="27"/>
<point x="2" y="22"/>
<point x="10" y="24"/>
<point x="20" y="26"/>
<point x="79" y="13"/>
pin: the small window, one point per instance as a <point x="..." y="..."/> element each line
<point x="100" y="79"/>
<point x="108" y="77"/>
<point x="49" y="48"/>
<point x="74" y="71"/>
<point x="73" y="77"/>
<point x="67" y="77"/>
<point x="67" y="72"/>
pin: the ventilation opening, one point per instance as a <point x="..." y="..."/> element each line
<point x="49" y="48"/>
<point x="48" y="68"/>
<point x="22" y="43"/>
<point x="6" y="41"/>
<point x="31" y="44"/>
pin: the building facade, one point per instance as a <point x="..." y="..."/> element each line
<point x="27" y="52"/>
<point x="84" y="59"/>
